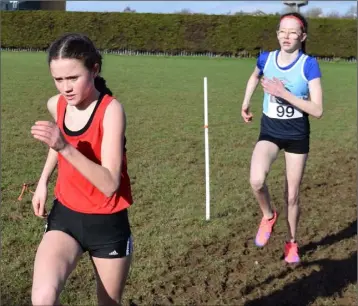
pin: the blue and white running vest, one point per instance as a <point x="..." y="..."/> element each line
<point x="281" y="119"/>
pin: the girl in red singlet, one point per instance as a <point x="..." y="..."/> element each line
<point x="92" y="194"/>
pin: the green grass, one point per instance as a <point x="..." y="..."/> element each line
<point x="179" y="257"/>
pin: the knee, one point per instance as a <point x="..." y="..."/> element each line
<point x="292" y="198"/>
<point x="44" y="296"/>
<point x="257" y="183"/>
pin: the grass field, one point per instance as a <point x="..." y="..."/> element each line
<point x="179" y="257"/>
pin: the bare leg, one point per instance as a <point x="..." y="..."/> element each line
<point x="295" y="165"/>
<point x="111" y="275"/>
<point x="56" y="257"/>
<point x="264" y="154"/>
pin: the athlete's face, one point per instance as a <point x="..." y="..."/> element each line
<point x="72" y="79"/>
<point x="290" y="35"/>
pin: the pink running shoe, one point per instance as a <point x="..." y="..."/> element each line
<point x="265" y="230"/>
<point x="291" y="252"/>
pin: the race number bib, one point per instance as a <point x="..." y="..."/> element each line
<point x="280" y="109"/>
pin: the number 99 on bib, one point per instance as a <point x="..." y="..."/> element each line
<point x="280" y="109"/>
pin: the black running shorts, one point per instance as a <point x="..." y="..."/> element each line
<point x="102" y="235"/>
<point x="301" y="146"/>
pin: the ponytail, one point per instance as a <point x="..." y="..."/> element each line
<point x="100" y="84"/>
<point x="303" y="46"/>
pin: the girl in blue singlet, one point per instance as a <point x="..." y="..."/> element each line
<point x="291" y="81"/>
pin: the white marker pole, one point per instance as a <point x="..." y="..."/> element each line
<point x="207" y="180"/>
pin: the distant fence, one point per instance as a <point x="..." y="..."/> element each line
<point x="182" y="54"/>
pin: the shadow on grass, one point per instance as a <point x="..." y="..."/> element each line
<point x="347" y="233"/>
<point x="331" y="279"/>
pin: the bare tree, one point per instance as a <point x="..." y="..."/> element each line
<point x="314" y="12"/>
<point x="184" y="12"/>
<point x="333" y="14"/>
<point x="352" y="12"/>
<point x="258" y="13"/>
<point x="129" y="10"/>
<point x="241" y="12"/>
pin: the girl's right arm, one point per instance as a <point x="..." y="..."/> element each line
<point x="250" y="88"/>
<point x="51" y="161"/>
<point x="50" y="165"/>
<point x="40" y="196"/>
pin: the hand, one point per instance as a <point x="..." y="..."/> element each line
<point x="273" y="87"/>
<point x="245" y="113"/>
<point x="49" y="133"/>
<point x="39" y="200"/>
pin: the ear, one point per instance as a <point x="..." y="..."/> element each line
<point x="304" y="37"/>
<point x="95" y="70"/>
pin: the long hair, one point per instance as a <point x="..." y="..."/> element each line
<point x="78" y="46"/>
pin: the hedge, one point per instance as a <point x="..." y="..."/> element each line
<point x="174" y="33"/>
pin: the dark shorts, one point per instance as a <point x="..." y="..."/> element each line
<point x="301" y="146"/>
<point x="104" y="236"/>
